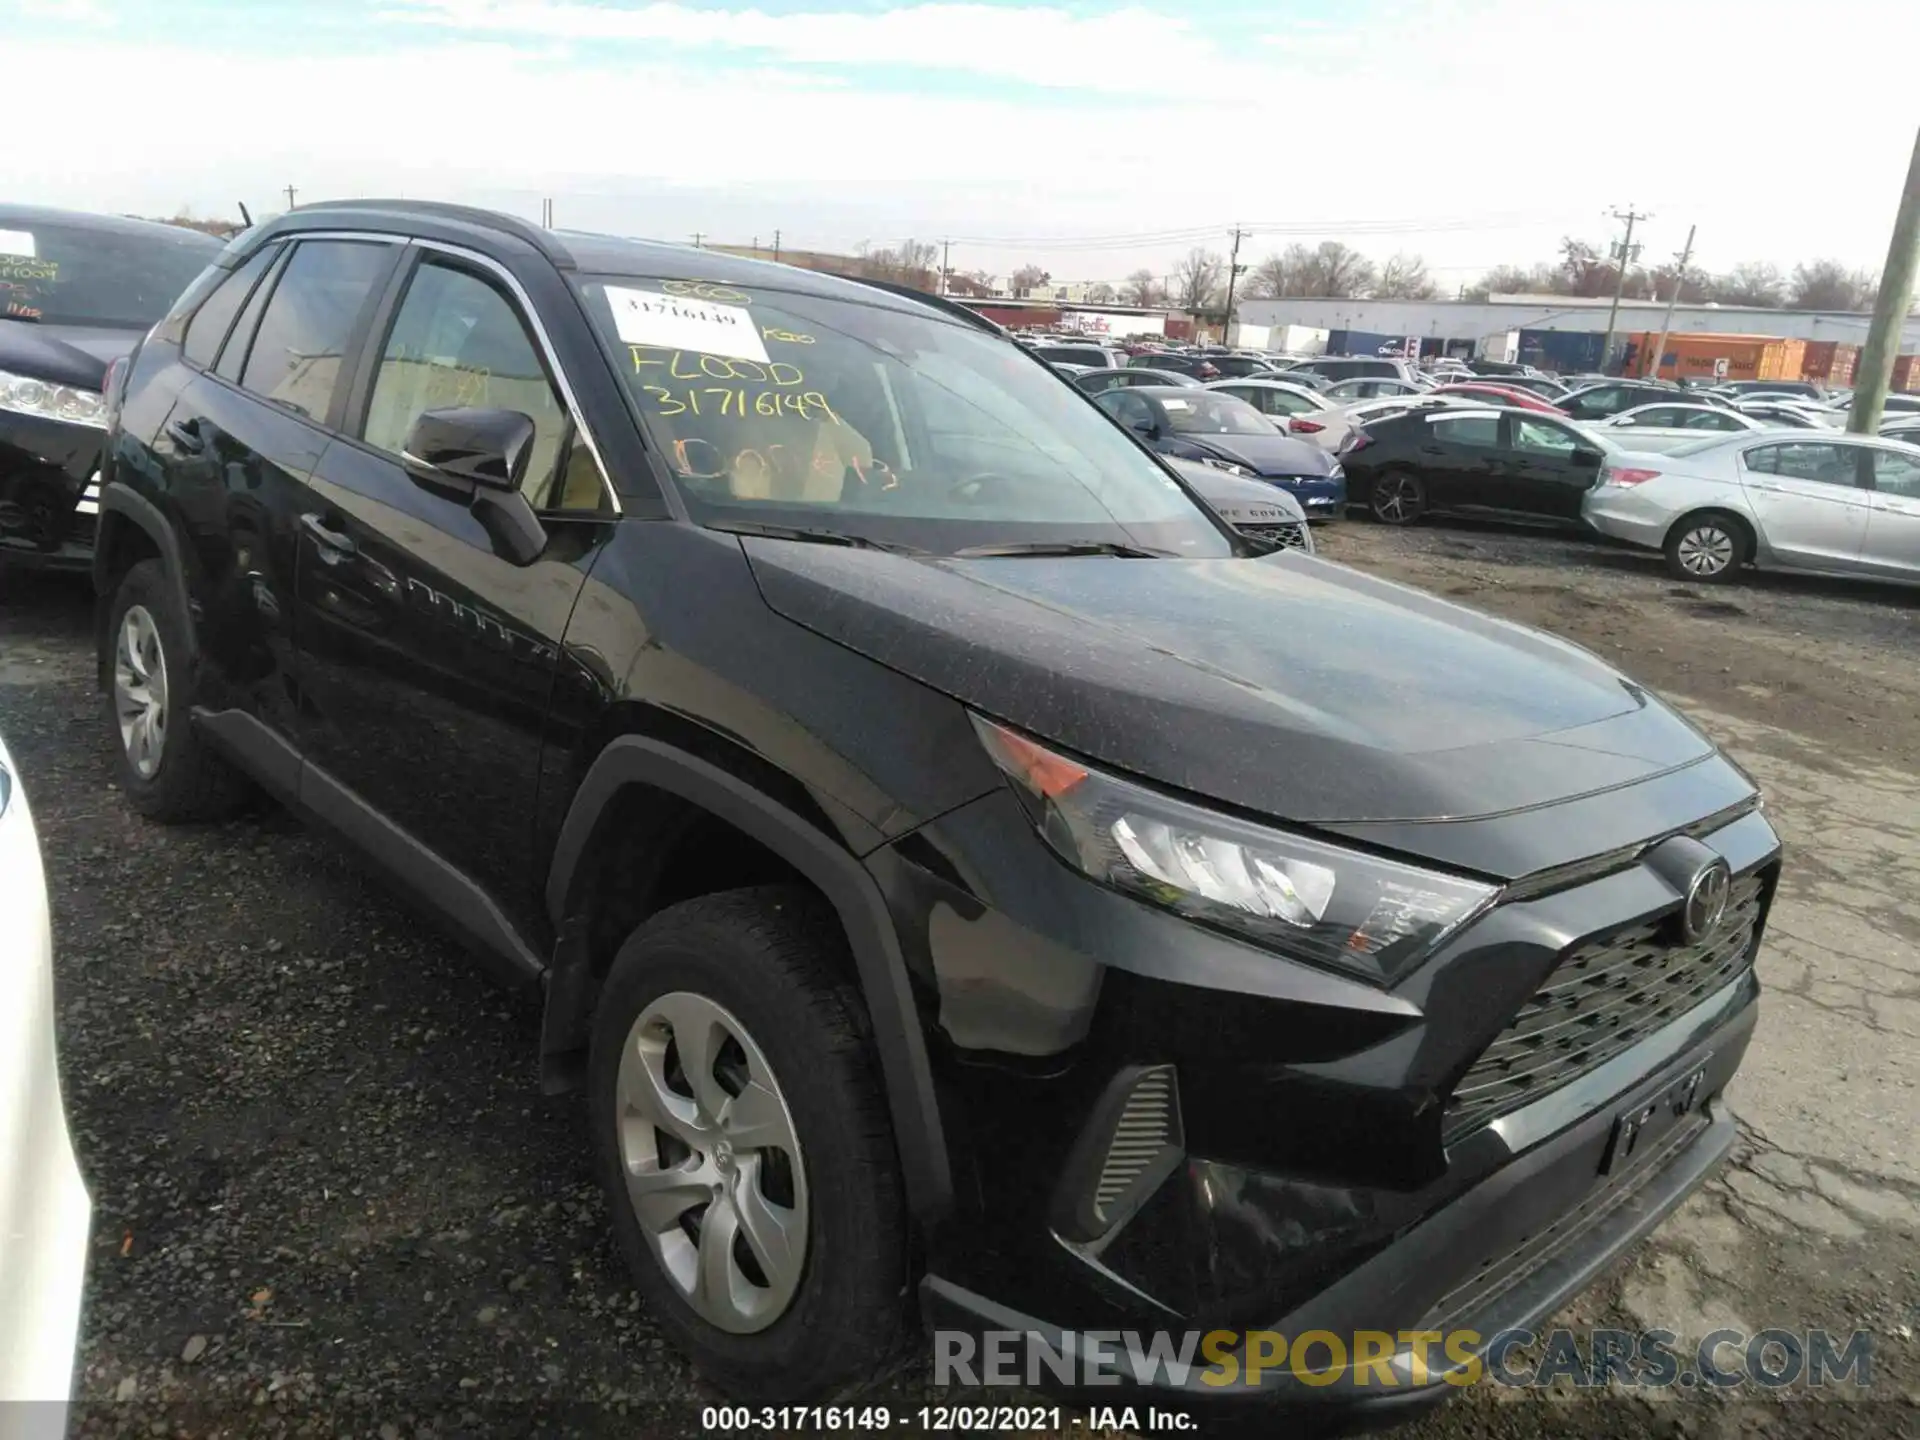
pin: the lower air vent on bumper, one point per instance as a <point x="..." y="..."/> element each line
<point x="1132" y="1142"/>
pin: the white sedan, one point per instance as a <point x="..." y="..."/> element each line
<point x="1294" y="408"/>
<point x="44" y="1209"/>
<point x="1802" y="500"/>
<point x="1664" y="426"/>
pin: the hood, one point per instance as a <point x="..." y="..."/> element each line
<point x="1274" y="454"/>
<point x="64" y="354"/>
<point x="1237" y="500"/>
<point x="1285" y="685"/>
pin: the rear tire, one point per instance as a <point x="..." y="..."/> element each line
<point x="1397" y="497"/>
<point x="1709" y="547"/>
<point x="166" y="769"/>
<point x="761" y="975"/>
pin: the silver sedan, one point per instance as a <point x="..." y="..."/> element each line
<point x="1802" y="500"/>
<point x="1294" y="408"/>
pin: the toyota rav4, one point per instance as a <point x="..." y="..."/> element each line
<point x="955" y="865"/>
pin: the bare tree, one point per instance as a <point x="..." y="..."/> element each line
<point x="1029" y="277"/>
<point x="1405" y="277"/>
<point x="912" y="262"/>
<point x="1196" y="280"/>
<point x="1829" y="285"/>
<point x="1100" y="294"/>
<point x="1340" y="270"/>
<point x="1541" y="279"/>
<point x="1268" y="279"/>
<point x="1751" y="283"/>
<point x="1141" y="289"/>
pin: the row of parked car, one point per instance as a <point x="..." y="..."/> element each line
<point x="1748" y="472"/>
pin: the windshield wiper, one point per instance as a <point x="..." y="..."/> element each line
<point x="1066" y="547"/>
<point x="808" y="532"/>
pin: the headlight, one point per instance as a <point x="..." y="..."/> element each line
<point x="1326" y="905"/>
<point x="1337" y="472"/>
<point x="27" y="396"/>
<point x="1226" y="465"/>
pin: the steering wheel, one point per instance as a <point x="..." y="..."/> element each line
<point x="974" y="489"/>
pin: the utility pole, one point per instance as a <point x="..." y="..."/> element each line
<point x="290" y="194"/>
<point x="776" y="247"/>
<point x="1666" y="321"/>
<point x="698" y="236"/>
<point x="946" y="247"/>
<point x="1890" y="309"/>
<point x="1624" y="254"/>
<point x="1234" y="268"/>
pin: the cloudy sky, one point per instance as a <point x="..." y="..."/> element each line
<point x="1092" y="138"/>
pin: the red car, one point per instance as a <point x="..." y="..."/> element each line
<point x="1499" y="395"/>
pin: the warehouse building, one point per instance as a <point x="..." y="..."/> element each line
<point x="1557" y="332"/>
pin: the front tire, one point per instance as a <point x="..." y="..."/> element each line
<point x="741" y="1134"/>
<point x="1397" y="497"/>
<point x="165" y="769"/>
<point x="1709" y="548"/>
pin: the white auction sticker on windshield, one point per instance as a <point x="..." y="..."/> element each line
<point x="1176" y="404"/>
<point x="675" y="322"/>
<point x="17" y="242"/>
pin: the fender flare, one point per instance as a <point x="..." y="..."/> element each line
<point x="119" y="498"/>
<point x="848" y="887"/>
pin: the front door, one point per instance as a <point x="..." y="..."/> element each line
<point x="428" y="657"/>
<point x="1811" y="499"/>
<point x="1893" y="528"/>
<point x="1549" y="468"/>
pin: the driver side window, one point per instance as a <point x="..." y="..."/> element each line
<point x="457" y="342"/>
<point x="1130" y="410"/>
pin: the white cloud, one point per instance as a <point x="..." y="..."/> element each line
<point x="1514" y="128"/>
<point x="1121" y="51"/>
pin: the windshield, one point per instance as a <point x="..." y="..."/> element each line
<point x="78" y="275"/>
<point x="779" y="409"/>
<point x="1214" y="414"/>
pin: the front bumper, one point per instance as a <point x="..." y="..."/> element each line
<point x="49" y="491"/>
<point x="1314" y="1177"/>
<point x="1319" y="499"/>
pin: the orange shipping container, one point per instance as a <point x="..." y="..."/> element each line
<point x="1906" y="374"/>
<point x="1697" y="357"/>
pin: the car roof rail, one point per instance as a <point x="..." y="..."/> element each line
<point x="957" y="310"/>
<point x="541" y="239"/>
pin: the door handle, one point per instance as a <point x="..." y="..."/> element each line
<point x="1770" y="489"/>
<point x="186" y="434"/>
<point x="333" y="545"/>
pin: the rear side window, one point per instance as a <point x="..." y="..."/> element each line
<point x="302" y="341"/>
<point x="1896" y="474"/>
<point x="1808" y="460"/>
<point x="1469" y="430"/>
<point x="214" y="318"/>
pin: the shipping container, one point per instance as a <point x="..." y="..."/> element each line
<point x="1906" y="374"/>
<point x="1829" y="362"/>
<point x="1698" y="357"/>
<point x="1502" y="345"/>
<point x="1562" y="352"/>
<point x="1299" y="339"/>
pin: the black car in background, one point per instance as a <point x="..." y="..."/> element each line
<point x="76" y="292"/>
<point x="1614" y="397"/>
<point x="1198" y="367"/>
<point x="955" y="869"/>
<point x="1132" y="378"/>
<point x="1513" y="463"/>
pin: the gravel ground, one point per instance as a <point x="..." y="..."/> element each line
<point x="330" y="1200"/>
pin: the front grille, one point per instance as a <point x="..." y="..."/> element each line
<point x="1606" y="996"/>
<point x="1293" y="534"/>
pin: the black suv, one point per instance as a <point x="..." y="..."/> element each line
<point x="954" y="866"/>
<point x="76" y="292"/>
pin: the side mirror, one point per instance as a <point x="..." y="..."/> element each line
<point x="1145" y="429"/>
<point x="480" y="448"/>
<point x="481" y="455"/>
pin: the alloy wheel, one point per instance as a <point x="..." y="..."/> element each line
<point x="1706" y="550"/>
<point x="1396" y="498"/>
<point x="140" y="690"/>
<point x="713" y="1167"/>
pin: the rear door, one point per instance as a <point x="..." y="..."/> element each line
<point x="1893" y="528"/>
<point x="1811" y="499"/>
<point x="1462" y="458"/>
<point x="241" y="445"/>
<point x="1549" y="467"/>
<point x="428" y="655"/>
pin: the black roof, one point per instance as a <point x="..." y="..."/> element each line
<point x="28" y="216"/>
<point x="603" y="254"/>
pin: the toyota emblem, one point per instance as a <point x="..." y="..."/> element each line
<point x="1706" y="900"/>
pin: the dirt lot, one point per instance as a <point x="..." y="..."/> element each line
<point x="329" y="1199"/>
